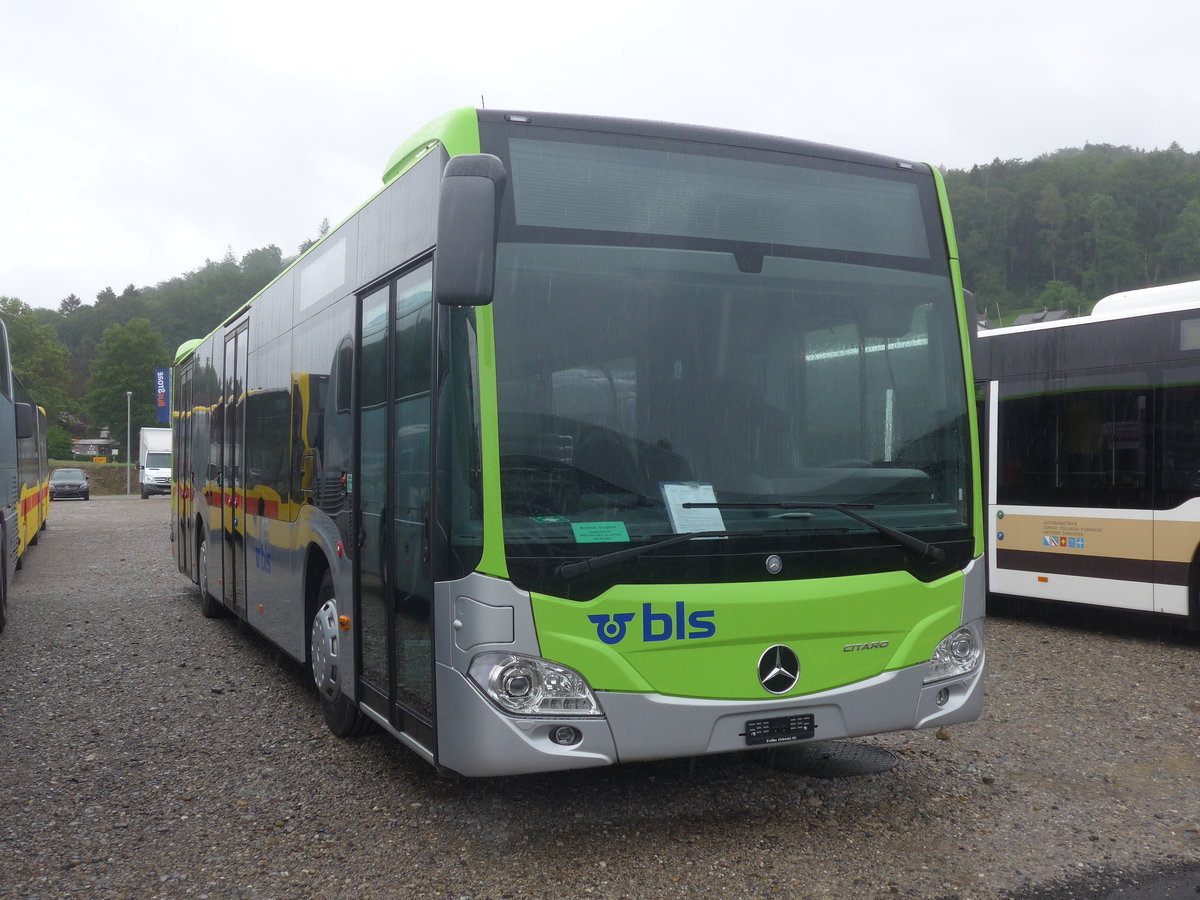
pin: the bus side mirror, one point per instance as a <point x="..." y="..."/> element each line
<point x="24" y="420"/>
<point x="464" y="265"/>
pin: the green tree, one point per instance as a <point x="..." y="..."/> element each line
<point x="1114" y="257"/>
<point x="58" y="443"/>
<point x="1180" y="253"/>
<point x="1051" y="215"/>
<point x="1060" y="295"/>
<point x="125" y="362"/>
<point x="69" y="304"/>
<point x="261" y="266"/>
<point x="39" y="358"/>
<point x="322" y="230"/>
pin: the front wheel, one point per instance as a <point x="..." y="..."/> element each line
<point x="209" y="605"/>
<point x="342" y="714"/>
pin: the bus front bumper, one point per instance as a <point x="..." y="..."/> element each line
<point x="477" y="739"/>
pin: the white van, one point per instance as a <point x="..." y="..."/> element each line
<point x="154" y="461"/>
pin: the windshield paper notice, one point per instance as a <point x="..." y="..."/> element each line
<point x="600" y="532"/>
<point x="685" y="521"/>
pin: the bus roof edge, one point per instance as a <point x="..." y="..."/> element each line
<point x="457" y="131"/>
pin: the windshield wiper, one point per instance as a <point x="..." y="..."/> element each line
<point x="572" y="569"/>
<point x="915" y="544"/>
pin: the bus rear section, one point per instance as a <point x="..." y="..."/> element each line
<point x="663" y="449"/>
<point x="1094" y="455"/>
<point x="33" y="471"/>
<point x="24" y="489"/>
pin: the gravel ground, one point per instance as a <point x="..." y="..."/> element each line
<point x="148" y="752"/>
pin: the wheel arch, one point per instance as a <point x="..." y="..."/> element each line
<point x="199" y="536"/>
<point x="316" y="564"/>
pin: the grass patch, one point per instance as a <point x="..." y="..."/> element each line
<point x="103" y="478"/>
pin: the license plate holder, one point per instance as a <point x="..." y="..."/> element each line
<point x="780" y="730"/>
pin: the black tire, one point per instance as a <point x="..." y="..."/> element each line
<point x="210" y="606"/>
<point x="342" y="715"/>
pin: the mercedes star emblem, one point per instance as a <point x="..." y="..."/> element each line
<point x="779" y="669"/>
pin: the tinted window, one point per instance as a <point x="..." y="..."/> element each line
<point x="672" y="192"/>
<point x="1083" y="441"/>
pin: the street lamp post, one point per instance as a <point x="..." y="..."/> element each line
<point x="128" y="444"/>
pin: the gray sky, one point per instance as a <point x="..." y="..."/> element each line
<point x="139" y="138"/>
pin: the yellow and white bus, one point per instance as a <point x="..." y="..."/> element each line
<point x="24" y="482"/>
<point x="1093" y="454"/>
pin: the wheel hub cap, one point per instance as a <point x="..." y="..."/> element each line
<point x="325" y="650"/>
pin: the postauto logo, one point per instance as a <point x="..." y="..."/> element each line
<point x="680" y="625"/>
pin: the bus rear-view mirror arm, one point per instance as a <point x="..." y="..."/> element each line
<point x="464" y="269"/>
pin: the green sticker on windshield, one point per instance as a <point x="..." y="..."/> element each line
<point x="600" y="532"/>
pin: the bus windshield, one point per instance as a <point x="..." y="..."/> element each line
<point x="758" y="332"/>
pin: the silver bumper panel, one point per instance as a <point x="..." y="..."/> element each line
<point x="477" y="739"/>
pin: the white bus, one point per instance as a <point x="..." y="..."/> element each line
<point x="1093" y="454"/>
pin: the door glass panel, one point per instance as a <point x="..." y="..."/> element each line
<point x="372" y="489"/>
<point x="233" y="487"/>
<point x="412" y="590"/>
<point x="1179" y="426"/>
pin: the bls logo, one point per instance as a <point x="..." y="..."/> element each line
<point x="657" y="626"/>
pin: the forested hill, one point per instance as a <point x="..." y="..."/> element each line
<point x="1065" y="229"/>
<point x="79" y="360"/>
<point x="1059" y="232"/>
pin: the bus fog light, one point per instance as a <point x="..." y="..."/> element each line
<point x="942" y="696"/>
<point x="566" y="735"/>
<point x="958" y="653"/>
<point x="528" y="685"/>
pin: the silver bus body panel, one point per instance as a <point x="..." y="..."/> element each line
<point x="479" y="613"/>
<point x="651" y="726"/>
<point x="477" y="739"/>
<point x="277" y="554"/>
<point x="975" y="590"/>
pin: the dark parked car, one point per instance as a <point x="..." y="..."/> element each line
<point x="69" y="484"/>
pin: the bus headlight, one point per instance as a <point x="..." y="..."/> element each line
<point x="528" y="685"/>
<point x="958" y="653"/>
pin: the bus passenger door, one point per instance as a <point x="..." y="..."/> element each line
<point x="233" y="489"/>
<point x="1177" y="493"/>
<point x="392" y="492"/>
<point x="182" y="476"/>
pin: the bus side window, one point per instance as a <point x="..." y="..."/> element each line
<point x="1179" y="428"/>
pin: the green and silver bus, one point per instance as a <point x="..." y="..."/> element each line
<point x="591" y="440"/>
